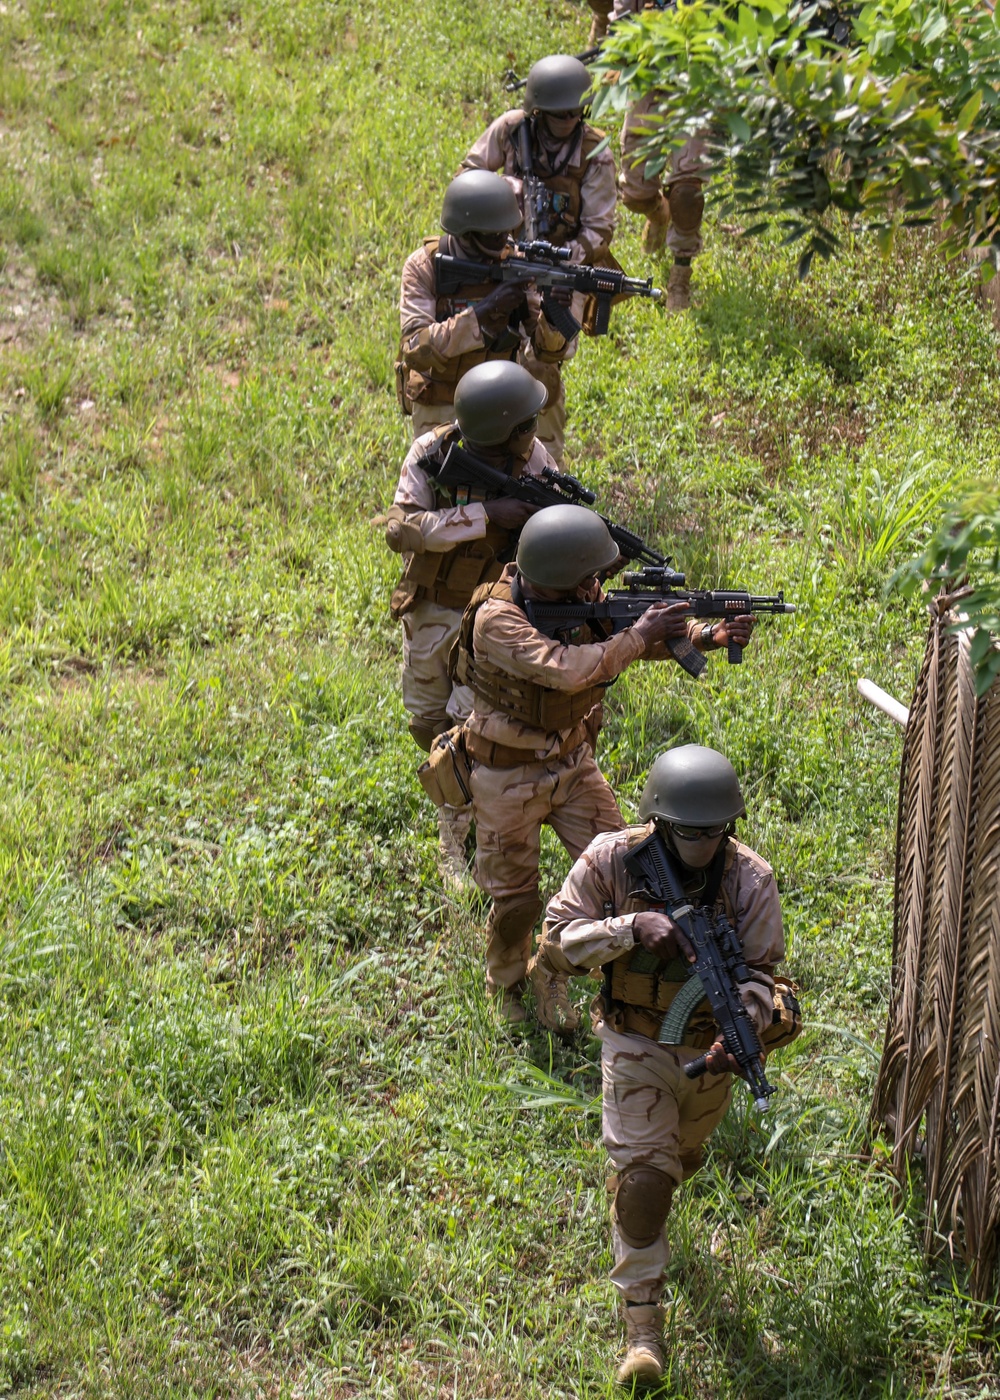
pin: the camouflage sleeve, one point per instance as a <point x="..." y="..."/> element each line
<point x="493" y="151"/>
<point x="428" y="344"/>
<point x="626" y="7"/>
<point x="598" y="197"/>
<point x="441" y="528"/>
<point x="579" y="930"/>
<point x="506" y="639"/>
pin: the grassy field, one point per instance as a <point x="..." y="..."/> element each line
<point x="262" y="1134"/>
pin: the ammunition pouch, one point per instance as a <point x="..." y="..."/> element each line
<point x="786" y="1022"/>
<point x="446" y="774"/>
<point x="531" y="704"/>
<point x="449" y="578"/>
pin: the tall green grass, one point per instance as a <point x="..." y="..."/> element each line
<point x="262" y="1133"/>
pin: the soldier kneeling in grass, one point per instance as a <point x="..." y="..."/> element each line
<point x="655" y="1118"/>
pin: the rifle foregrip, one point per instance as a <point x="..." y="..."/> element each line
<point x="734" y="653"/>
<point x="694" y="1069"/>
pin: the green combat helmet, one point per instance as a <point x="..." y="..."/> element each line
<point x="692" y="786"/>
<point x="562" y="545"/>
<point x="556" y="84"/>
<point x="478" y="201"/>
<point x="493" y="399"/>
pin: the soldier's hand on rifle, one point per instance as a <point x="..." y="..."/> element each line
<point x="508" y="513"/>
<point x="734" y="629"/>
<point x="659" y="935"/>
<point x="719" y="1061"/>
<point x="493" y="312"/>
<point x="662" y="623"/>
<point x="559" y="296"/>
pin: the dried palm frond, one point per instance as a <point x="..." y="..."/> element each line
<point x="940" y="1073"/>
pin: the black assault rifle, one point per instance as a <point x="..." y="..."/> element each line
<point x="718" y="972"/>
<point x="645" y="587"/>
<point x="460" y="467"/>
<point x="536" y="197"/>
<point x="548" y="267"/>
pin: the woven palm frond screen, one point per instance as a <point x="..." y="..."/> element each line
<point x="938" y="1087"/>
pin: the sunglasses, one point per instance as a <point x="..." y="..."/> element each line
<point x="697" y="833"/>
<point x="528" y="426"/>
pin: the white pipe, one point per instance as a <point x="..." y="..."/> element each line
<point x="878" y="697"/>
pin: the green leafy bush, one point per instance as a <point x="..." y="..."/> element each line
<point x="899" y="117"/>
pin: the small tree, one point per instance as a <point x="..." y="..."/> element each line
<point x="881" y="112"/>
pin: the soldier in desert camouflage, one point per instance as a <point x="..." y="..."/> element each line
<point x="655" y="1119"/>
<point x="599" y="24"/>
<point x="673" y="204"/>
<point x="546" y="152"/>
<point x="533" y="730"/>
<point x="442" y="335"/>
<point x="450" y="546"/>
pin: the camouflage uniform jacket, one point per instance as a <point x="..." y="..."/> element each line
<point x="589" y="923"/>
<point x="418" y="497"/>
<point x="505" y="643"/>
<point x="496" y="149"/>
<point x="441" y="337"/>
<point x="448" y="543"/>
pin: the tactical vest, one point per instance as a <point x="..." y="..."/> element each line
<point x="564" y="188"/>
<point x="526" y="701"/>
<point x="434" y="386"/>
<point x="642" y="986"/>
<point x="450" y="577"/>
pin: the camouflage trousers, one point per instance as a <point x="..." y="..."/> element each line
<point x="431" y="700"/>
<point x="510" y="807"/>
<point x="684" y="184"/>
<point x="654" y="1114"/>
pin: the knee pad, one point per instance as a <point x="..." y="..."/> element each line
<point x="513" y="920"/>
<point x="687" y="204"/>
<point x="642" y="1204"/>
